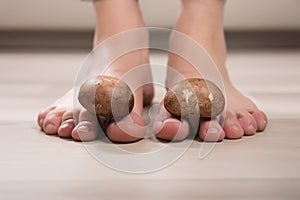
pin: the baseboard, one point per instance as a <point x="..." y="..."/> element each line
<point x="263" y="39"/>
<point x="83" y="39"/>
<point x="46" y="40"/>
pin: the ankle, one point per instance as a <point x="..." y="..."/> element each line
<point x="116" y="16"/>
<point x="100" y="36"/>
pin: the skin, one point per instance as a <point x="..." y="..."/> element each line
<point x="60" y="118"/>
<point x="202" y="20"/>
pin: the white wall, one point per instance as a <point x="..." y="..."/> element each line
<point x="75" y="14"/>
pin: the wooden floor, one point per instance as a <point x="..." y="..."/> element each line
<point x="36" y="166"/>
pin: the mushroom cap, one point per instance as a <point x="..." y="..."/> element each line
<point x="108" y="97"/>
<point x="194" y="97"/>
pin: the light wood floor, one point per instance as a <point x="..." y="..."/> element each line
<point x="36" y="166"/>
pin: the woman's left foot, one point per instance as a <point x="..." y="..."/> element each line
<point x="203" y="22"/>
<point x="242" y="117"/>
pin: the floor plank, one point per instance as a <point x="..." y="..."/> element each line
<point x="264" y="166"/>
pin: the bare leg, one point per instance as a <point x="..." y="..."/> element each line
<point x="113" y="16"/>
<point x="203" y="21"/>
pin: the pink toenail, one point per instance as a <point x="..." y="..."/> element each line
<point x="264" y="122"/>
<point x="235" y="127"/>
<point x="252" y="128"/>
<point x="49" y="128"/>
<point x="83" y="129"/>
<point x="212" y="130"/>
<point x="65" y="126"/>
<point x="41" y="121"/>
<point x="171" y="120"/>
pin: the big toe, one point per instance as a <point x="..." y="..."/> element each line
<point x="168" y="128"/>
<point x="130" y="129"/>
<point x="173" y="129"/>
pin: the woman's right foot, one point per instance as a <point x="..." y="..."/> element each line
<point x="60" y="118"/>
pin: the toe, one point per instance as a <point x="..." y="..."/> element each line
<point x="85" y="131"/>
<point x="66" y="128"/>
<point x="130" y="129"/>
<point x="168" y="128"/>
<point x="232" y="127"/>
<point x="173" y="130"/>
<point x="68" y="123"/>
<point x="261" y="120"/>
<point x="72" y="114"/>
<point x="211" y="131"/>
<point x="42" y="115"/>
<point x="248" y="124"/>
<point x="69" y="114"/>
<point x="53" y="121"/>
<point x="87" y="128"/>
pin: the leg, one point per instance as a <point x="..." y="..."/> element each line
<point x="113" y="16"/>
<point x="203" y="21"/>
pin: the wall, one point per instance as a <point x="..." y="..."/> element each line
<point x="78" y="15"/>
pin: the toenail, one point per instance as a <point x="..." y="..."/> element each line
<point x="41" y="121"/>
<point x="264" y="122"/>
<point x="49" y="128"/>
<point x="171" y="120"/>
<point x="236" y="127"/>
<point x="212" y="130"/>
<point x="66" y="125"/>
<point x="83" y="129"/>
<point x="252" y="128"/>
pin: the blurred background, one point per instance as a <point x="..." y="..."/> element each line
<point x="78" y="15"/>
<point x="28" y="22"/>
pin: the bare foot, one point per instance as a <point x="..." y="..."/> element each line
<point x="202" y="20"/>
<point x="60" y="118"/>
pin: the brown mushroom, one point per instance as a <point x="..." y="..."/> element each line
<point x="194" y="97"/>
<point x="108" y="97"/>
